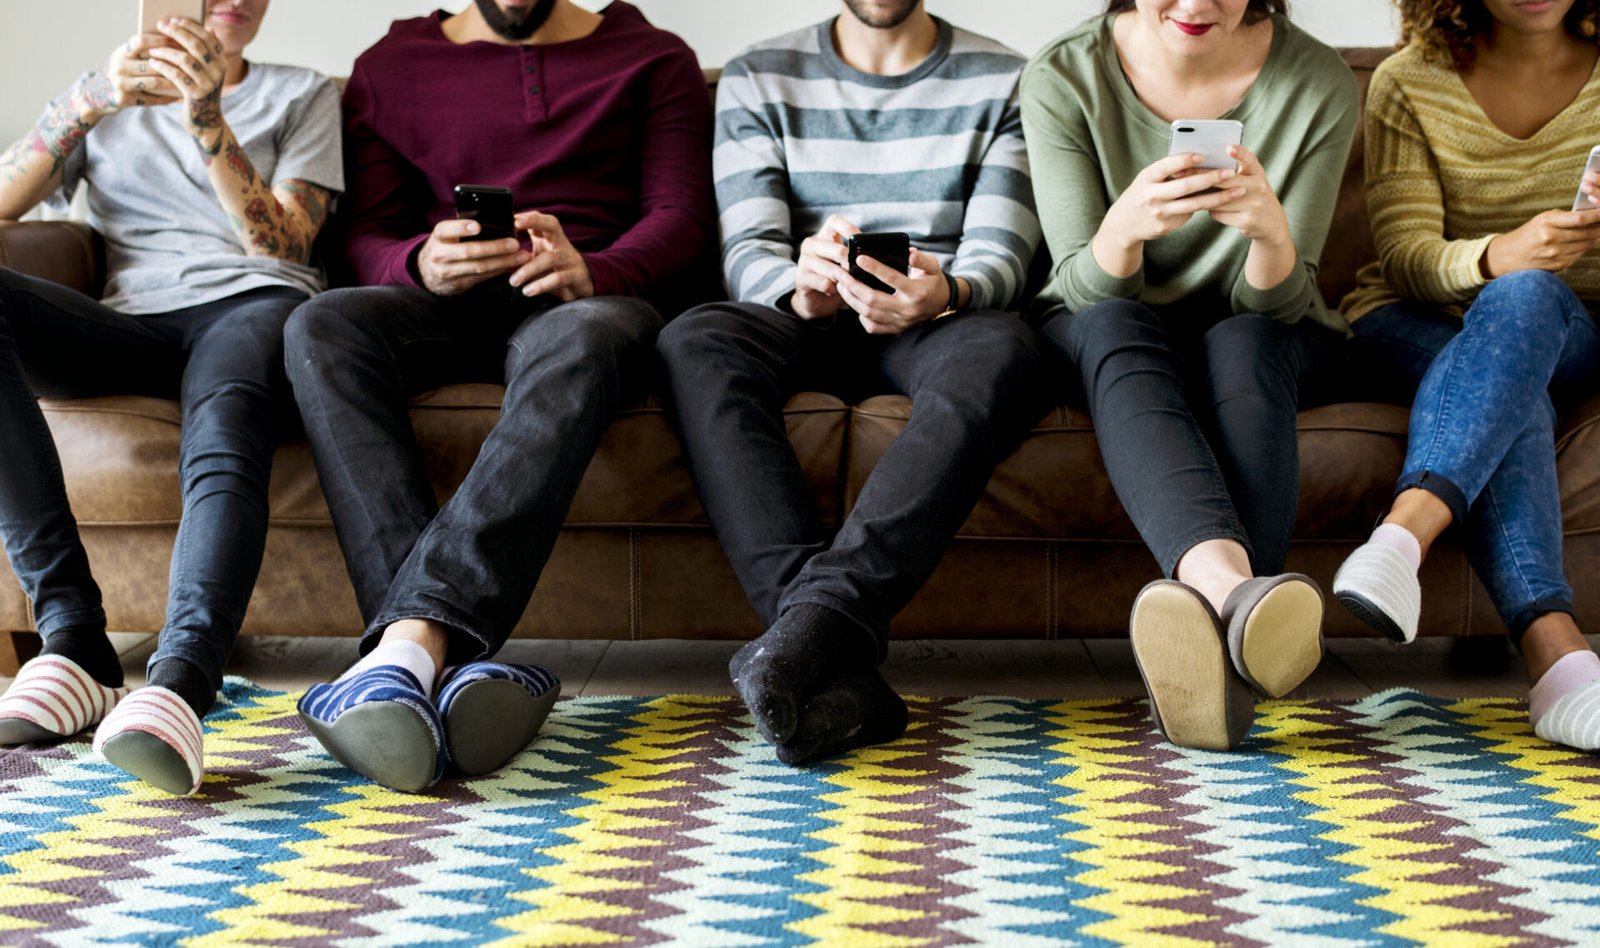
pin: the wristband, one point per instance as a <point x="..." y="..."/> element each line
<point x="953" y="304"/>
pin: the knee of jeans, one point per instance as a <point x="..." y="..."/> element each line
<point x="1244" y="356"/>
<point x="1090" y="336"/>
<point x="697" y="333"/>
<point x="600" y="331"/>
<point x="316" y="326"/>
<point x="1522" y="301"/>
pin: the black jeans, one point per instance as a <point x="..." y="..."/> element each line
<point x="1195" y="417"/>
<point x="974" y="384"/>
<point x="356" y="356"/>
<point x="224" y="362"/>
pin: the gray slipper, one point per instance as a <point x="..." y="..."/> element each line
<point x="381" y="725"/>
<point x="492" y="711"/>
<point x="1275" y="631"/>
<point x="1196" y="696"/>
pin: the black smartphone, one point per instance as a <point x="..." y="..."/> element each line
<point x="489" y="206"/>
<point x="892" y="249"/>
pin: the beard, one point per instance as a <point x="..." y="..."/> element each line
<point x="515" y="29"/>
<point x="886" y="21"/>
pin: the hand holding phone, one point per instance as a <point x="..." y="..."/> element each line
<point x="490" y="206"/>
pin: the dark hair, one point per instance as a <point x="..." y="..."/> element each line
<point x="1448" y="30"/>
<point x="1257" y="11"/>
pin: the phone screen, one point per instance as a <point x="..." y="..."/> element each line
<point x="892" y="249"/>
<point x="488" y="205"/>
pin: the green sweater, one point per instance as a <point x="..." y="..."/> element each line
<point x="1088" y="135"/>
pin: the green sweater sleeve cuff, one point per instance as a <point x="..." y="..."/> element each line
<point x="1084" y="283"/>
<point x="1289" y="300"/>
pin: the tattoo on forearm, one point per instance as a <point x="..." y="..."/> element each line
<point x="266" y="242"/>
<point x="239" y="162"/>
<point x="207" y="112"/>
<point x="256" y="212"/>
<point x="311" y="199"/>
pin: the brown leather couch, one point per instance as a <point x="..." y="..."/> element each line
<point x="1049" y="552"/>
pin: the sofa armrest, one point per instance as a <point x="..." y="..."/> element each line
<point x="64" y="252"/>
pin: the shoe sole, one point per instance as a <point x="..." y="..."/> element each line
<point x="150" y="759"/>
<point x="1184" y="664"/>
<point x="1376" y="619"/>
<point x="1282" y="641"/>
<point x="384" y="741"/>
<point x="18" y="731"/>
<point x="491" y="721"/>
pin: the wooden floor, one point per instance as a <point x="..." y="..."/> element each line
<point x="1093" y="668"/>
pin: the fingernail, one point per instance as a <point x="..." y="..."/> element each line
<point x="1226" y="175"/>
<point x="1238" y="192"/>
<point x="527" y="291"/>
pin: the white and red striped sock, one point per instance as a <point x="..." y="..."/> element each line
<point x="177" y="764"/>
<point x="53" y="697"/>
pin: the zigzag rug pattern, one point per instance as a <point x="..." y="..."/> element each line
<point x="1398" y="819"/>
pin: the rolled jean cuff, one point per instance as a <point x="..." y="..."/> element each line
<point x="1518" y="624"/>
<point x="816" y="597"/>
<point x="1439" y="486"/>
<point x="71" y="619"/>
<point x="1169" y="564"/>
<point x="466" y="643"/>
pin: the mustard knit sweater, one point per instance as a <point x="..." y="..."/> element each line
<point x="1443" y="180"/>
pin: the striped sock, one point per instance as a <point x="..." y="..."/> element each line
<point x="154" y="735"/>
<point x="53" y="697"/>
<point x="1564" y="704"/>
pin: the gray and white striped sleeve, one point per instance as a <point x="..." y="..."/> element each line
<point x="752" y="180"/>
<point x="1000" y="231"/>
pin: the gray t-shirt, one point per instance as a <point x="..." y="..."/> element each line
<point x="168" y="241"/>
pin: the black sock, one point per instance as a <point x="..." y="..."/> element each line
<point x="186" y="681"/>
<point x="807" y="647"/>
<point x="90" y="649"/>
<point x="856" y="709"/>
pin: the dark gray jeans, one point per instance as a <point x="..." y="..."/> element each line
<point x="224" y="362"/>
<point x="974" y="382"/>
<point x="356" y="356"/>
<point x="1195" y="417"/>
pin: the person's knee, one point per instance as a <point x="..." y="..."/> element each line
<point x="1247" y="356"/>
<point x="698" y="333"/>
<point x="1524" y="301"/>
<point x="1089" y="337"/>
<point x="602" y="331"/>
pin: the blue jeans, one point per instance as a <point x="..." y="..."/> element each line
<point x="355" y="356"/>
<point x="974" y="382"/>
<point x="224" y="362"/>
<point x="1195" y="418"/>
<point x="1483" y="422"/>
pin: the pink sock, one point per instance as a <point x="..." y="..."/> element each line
<point x="1570" y="672"/>
<point x="1400" y="540"/>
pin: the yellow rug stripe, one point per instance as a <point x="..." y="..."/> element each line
<point x="1549" y="766"/>
<point x="857" y="856"/>
<point x="1102" y="798"/>
<point x="642" y="765"/>
<point x="102" y="833"/>
<point x="1349" y="799"/>
<point x="359" y="821"/>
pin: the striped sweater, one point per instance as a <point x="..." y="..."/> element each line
<point x="936" y="152"/>
<point x="1443" y="180"/>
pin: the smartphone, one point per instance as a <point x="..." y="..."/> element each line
<point x="892" y="249"/>
<point x="152" y="12"/>
<point x="1583" y="202"/>
<point x="490" y="207"/>
<point x="1208" y="137"/>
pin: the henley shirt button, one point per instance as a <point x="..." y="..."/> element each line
<point x="534" y="89"/>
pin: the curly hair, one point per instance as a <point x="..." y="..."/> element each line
<point x="1257" y="11"/>
<point x="1447" y="31"/>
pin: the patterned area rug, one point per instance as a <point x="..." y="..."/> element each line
<point x="1398" y="819"/>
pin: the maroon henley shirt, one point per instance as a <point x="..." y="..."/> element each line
<point x="610" y="133"/>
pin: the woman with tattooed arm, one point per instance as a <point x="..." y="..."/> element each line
<point x="209" y="177"/>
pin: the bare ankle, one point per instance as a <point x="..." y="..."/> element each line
<point x="1214" y="569"/>
<point x="1422" y="514"/>
<point x="1550" y="638"/>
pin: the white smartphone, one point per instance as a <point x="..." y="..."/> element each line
<point x="152" y="12"/>
<point x="1208" y="137"/>
<point x="1583" y="202"/>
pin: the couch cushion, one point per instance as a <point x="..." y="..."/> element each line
<point x="1349" y="244"/>
<point x="121" y="459"/>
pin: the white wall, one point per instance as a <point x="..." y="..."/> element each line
<point x="45" y="44"/>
